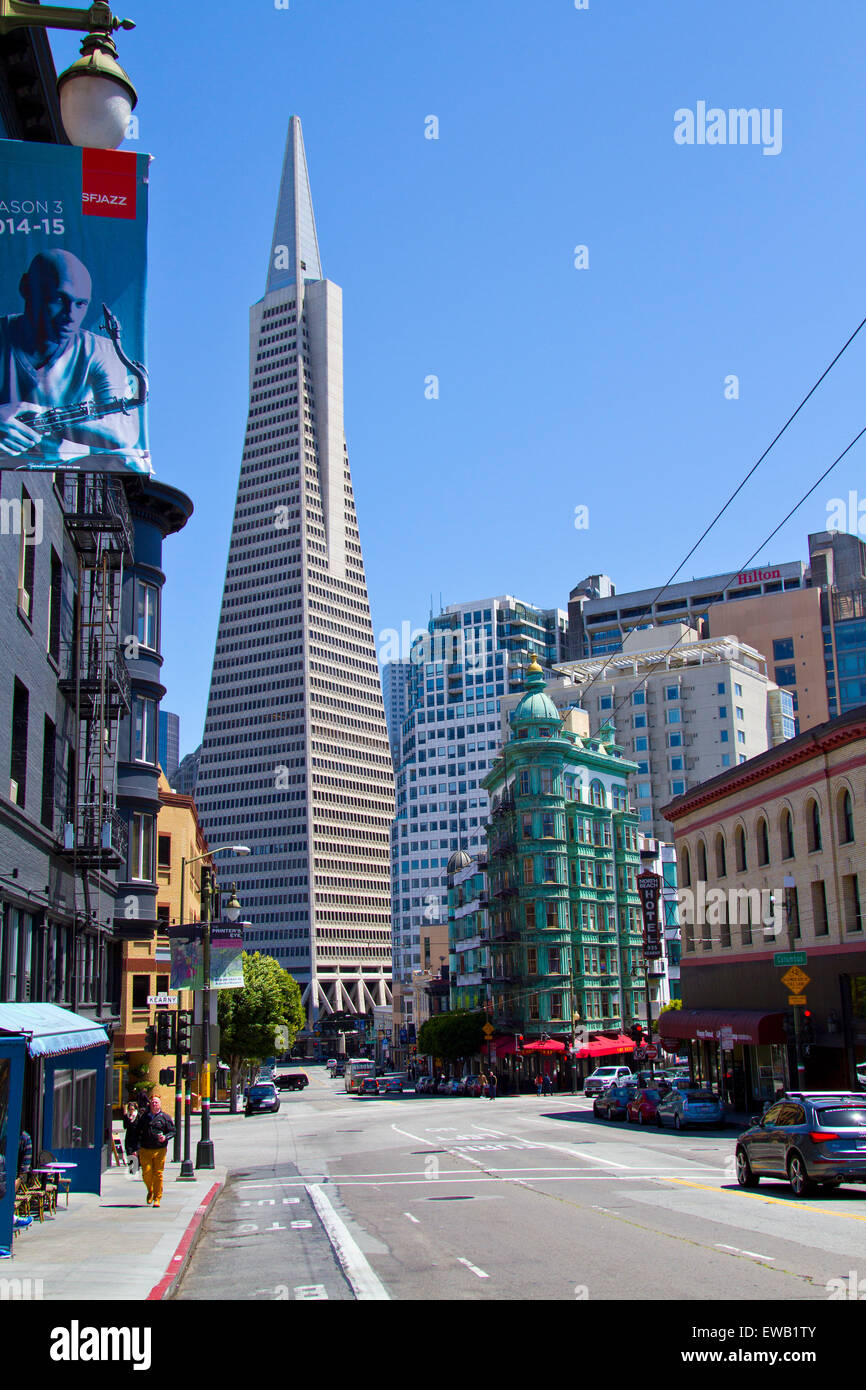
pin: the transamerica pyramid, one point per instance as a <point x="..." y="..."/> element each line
<point x="295" y="760"/>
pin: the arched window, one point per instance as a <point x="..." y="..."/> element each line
<point x="762" y="837"/>
<point x="686" y="867"/>
<point x="740" y="844"/>
<point x="787" y="828"/>
<point x="596" y="793"/>
<point x="721" y="857"/>
<point x="702" y="861"/>
<point x="813" y="826"/>
<point x="845" y="810"/>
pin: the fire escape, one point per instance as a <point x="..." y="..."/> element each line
<point x="93" y="672"/>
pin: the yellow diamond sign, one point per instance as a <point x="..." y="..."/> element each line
<point x="488" y="1031"/>
<point x="796" y="979"/>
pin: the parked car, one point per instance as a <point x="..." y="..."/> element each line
<point x="470" y="1086"/>
<point x="292" y="1081"/>
<point x="261" y="1096"/>
<point x="812" y="1138"/>
<point x="391" y="1085"/>
<point x="603" y="1077"/>
<point x="613" y="1102"/>
<point x="643" y="1105"/>
<point x="423" y="1084"/>
<point x="368" y="1087"/>
<point x="690" y="1107"/>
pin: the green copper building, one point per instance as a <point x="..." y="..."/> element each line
<point x="565" y="935"/>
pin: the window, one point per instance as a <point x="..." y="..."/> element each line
<point x="532" y="960"/>
<point x="554" y="961"/>
<point x="783" y="649"/>
<point x="26" y="557"/>
<point x="762" y="836"/>
<point x="530" y="916"/>
<point x="163" y="851"/>
<point x="787" y="828"/>
<point x="638" y="697"/>
<point x="639" y="721"/>
<point x="672" y="692"/>
<point x="147" y="615"/>
<point x="55" y="596"/>
<point x="550" y="868"/>
<point x="524" y="782"/>
<point x="140" y="991"/>
<point x="851" y="902"/>
<point x="144" y="729"/>
<point x="846" y="816"/>
<point x="819" y="909"/>
<point x="596" y="793"/>
<point x="740" y="845"/>
<point x="721" y="857"/>
<point x="18" y="763"/>
<point x="644" y="791"/>
<point x="545" y="781"/>
<point x="74" y="1110"/>
<point x="739" y="710"/>
<point x="723" y="736"/>
<point x="675" y="740"/>
<point x="813" y="824"/>
<point x="141" y="848"/>
<point x="676" y="764"/>
<point x="556" y="1005"/>
<point x="605" y="702"/>
<point x="49" y="757"/>
<point x="641" y="745"/>
<point x="673" y="716"/>
<point x="551" y="915"/>
<point x="528" y="870"/>
<point x="741" y="737"/>
<point x="785" y="675"/>
<point x="547" y="825"/>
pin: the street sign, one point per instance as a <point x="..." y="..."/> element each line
<point x="488" y="1031"/>
<point x="786" y="958"/>
<point x="796" y="979"/>
<point x="162" y="999"/>
<point x="796" y="998"/>
<point x="651" y="1053"/>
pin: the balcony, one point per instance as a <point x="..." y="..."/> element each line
<point x="102" y="838"/>
<point x="95" y="505"/>
<point x="89" y="677"/>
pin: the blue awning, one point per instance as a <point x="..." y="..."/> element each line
<point x="50" y="1030"/>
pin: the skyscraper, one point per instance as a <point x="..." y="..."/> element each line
<point x="295" y="759"/>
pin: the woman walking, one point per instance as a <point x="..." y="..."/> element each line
<point x="130" y="1142"/>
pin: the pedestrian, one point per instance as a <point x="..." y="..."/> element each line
<point x="130" y="1140"/>
<point x="491" y="1089"/>
<point x="25" y="1153"/>
<point x="547" y="1085"/>
<point x="538" y="1085"/>
<point x="482" y="1080"/>
<point x="153" y="1130"/>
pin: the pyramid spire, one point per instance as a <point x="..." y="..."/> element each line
<point x="295" y="246"/>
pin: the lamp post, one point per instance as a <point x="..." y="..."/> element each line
<point x="96" y="95"/>
<point x="205" y="1083"/>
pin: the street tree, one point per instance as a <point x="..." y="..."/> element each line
<point x="452" y="1036"/>
<point x="249" y="1017"/>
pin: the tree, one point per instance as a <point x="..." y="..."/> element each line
<point x="249" y="1017"/>
<point x="452" y="1036"/>
<point x="674" y="1004"/>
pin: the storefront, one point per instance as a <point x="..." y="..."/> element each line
<point x="61" y="1093"/>
<point x="13" y="1051"/>
<point x="743" y="1055"/>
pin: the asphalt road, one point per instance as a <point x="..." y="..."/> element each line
<point x="447" y="1198"/>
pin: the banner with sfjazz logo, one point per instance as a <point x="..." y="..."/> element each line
<point x="73" y="255"/>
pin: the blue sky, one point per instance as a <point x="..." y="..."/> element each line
<point x="559" y="387"/>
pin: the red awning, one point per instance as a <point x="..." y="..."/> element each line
<point x="605" y="1047"/>
<point x="551" y="1045"/>
<point x="503" y="1047"/>
<point x="750" y="1026"/>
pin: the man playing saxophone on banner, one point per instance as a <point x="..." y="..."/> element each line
<point x="49" y="363"/>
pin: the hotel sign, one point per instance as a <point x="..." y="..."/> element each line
<point x="649" y="888"/>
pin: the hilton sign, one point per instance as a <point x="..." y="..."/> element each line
<point x="756" y="576"/>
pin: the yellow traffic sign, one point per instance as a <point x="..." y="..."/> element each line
<point x="796" y="998"/>
<point x="796" y="979"/>
<point x="488" y="1031"/>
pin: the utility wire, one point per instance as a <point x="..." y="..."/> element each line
<point x="738" y="489"/>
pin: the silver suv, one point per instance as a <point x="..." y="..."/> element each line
<point x="603" y="1077"/>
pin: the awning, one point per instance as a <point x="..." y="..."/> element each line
<point x="49" y="1030"/>
<point x="503" y="1047"/>
<point x="605" y="1047"/>
<point x="750" y="1026"/>
<point x="550" y="1045"/>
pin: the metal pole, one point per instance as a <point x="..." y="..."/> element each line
<point x="204" y="1156"/>
<point x="187" y="1173"/>
<point x="178" y="1060"/>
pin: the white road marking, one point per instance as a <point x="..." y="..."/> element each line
<point x="412" y="1218"/>
<point x="474" y="1268"/>
<point x="751" y="1253"/>
<point x="301" y="1225"/>
<point x="310" y="1291"/>
<point x="365" y="1283"/>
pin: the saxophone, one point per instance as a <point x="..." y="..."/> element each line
<point x="53" y="419"/>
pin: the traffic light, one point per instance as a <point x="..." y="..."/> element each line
<point x="150" y="1040"/>
<point x="184" y="1031"/>
<point x="636" y="1033"/>
<point x="166" y="1076"/>
<point x="165" y="1033"/>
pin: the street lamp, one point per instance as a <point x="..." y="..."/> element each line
<point x="96" y="95"/>
<point x="204" y="1157"/>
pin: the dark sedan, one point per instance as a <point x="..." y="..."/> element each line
<point x="612" y="1104"/>
<point x="809" y="1137"/>
<point x="260" y="1097"/>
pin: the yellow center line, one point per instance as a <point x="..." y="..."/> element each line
<point x="758" y="1197"/>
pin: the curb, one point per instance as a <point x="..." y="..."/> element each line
<point x="182" y="1255"/>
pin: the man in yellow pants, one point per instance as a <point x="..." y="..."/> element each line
<point x="154" y="1130"/>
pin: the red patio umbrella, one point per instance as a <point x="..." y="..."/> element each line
<point x="551" y="1045"/>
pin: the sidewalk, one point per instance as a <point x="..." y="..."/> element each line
<point x="113" y="1246"/>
